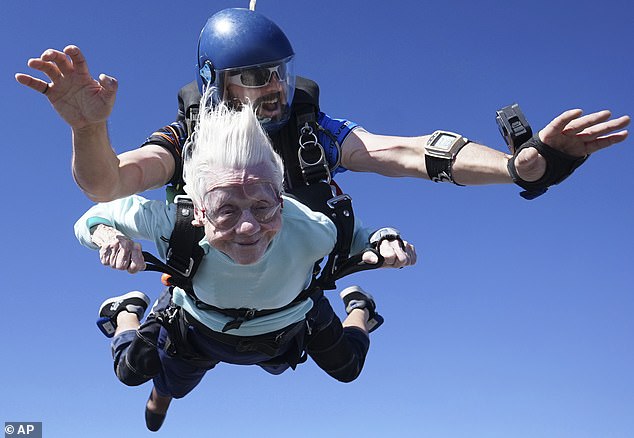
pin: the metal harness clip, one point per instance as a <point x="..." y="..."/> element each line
<point x="314" y="165"/>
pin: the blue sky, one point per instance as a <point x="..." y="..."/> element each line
<point x="518" y="320"/>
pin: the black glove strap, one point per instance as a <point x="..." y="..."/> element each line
<point x="559" y="166"/>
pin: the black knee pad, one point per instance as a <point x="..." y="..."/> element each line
<point x="140" y="361"/>
<point x="339" y="351"/>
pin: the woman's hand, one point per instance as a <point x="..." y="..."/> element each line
<point x="117" y="250"/>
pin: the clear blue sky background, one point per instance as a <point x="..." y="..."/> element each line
<point x="518" y="320"/>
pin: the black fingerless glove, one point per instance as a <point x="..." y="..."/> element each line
<point x="559" y="166"/>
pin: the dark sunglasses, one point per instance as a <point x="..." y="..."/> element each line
<point x="257" y="76"/>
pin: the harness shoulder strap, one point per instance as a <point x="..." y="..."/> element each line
<point x="184" y="253"/>
<point x="308" y="177"/>
<point x="188" y="104"/>
<point x="303" y="164"/>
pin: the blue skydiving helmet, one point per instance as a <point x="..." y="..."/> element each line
<point x="247" y="57"/>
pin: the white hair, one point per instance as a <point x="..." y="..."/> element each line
<point x="228" y="139"/>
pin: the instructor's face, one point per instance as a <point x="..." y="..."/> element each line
<point x="268" y="100"/>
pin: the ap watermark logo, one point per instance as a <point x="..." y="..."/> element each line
<point x="23" y="429"/>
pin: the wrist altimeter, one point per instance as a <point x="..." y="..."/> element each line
<point x="440" y="152"/>
<point x="513" y="126"/>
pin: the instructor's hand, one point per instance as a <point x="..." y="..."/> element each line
<point x="79" y="99"/>
<point x="575" y="135"/>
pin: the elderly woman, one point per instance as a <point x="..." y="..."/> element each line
<point x="260" y="249"/>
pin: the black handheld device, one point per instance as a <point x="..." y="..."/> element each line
<point x="513" y="126"/>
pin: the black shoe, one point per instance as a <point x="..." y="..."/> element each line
<point x="356" y="298"/>
<point x="133" y="302"/>
<point x="154" y="421"/>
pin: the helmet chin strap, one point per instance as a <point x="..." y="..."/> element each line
<point x="252" y="5"/>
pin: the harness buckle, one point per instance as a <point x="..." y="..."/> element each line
<point x="186" y="211"/>
<point x="235" y="323"/>
<point x="337" y="202"/>
<point x="182" y="269"/>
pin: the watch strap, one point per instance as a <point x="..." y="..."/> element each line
<point x="439" y="169"/>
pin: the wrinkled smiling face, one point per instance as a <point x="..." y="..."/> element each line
<point x="242" y="214"/>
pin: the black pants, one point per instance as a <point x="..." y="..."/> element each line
<point x="141" y="355"/>
<point x="338" y="351"/>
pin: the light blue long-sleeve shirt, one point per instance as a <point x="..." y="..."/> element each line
<point x="272" y="282"/>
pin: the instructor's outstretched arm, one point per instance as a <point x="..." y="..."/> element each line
<point x="85" y="104"/>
